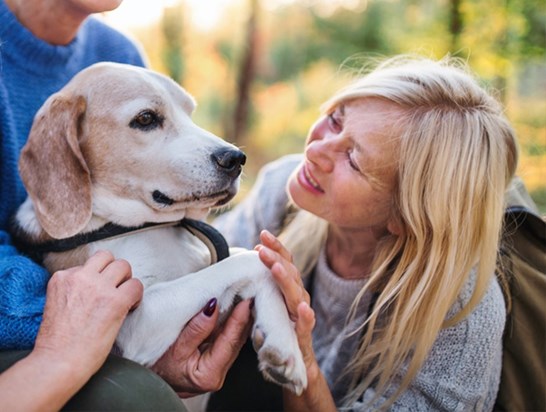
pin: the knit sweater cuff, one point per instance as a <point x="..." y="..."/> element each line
<point x="22" y="299"/>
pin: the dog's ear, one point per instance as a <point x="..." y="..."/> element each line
<point x="54" y="170"/>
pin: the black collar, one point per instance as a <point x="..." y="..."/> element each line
<point x="206" y="233"/>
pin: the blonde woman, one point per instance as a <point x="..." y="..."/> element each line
<point x="399" y="196"/>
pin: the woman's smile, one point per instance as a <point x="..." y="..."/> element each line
<point x="307" y="181"/>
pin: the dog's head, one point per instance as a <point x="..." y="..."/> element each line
<point x="118" y="142"/>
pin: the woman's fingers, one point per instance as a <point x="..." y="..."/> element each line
<point x="198" y="329"/>
<point x="188" y="367"/>
<point x="231" y="339"/>
<point x="290" y="285"/>
<point x="271" y="257"/>
<point x="272" y="252"/>
<point x="287" y="277"/>
<point x="178" y="366"/>
<point x="305" y="322"/>
<point x="275" y="244"/>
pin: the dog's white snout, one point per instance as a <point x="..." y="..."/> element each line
<point x="230" y="161"/>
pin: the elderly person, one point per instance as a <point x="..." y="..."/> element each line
<point x="43" y="43"/>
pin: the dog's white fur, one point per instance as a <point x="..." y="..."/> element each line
<point x="92" y="157"/>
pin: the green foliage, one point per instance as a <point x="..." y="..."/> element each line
<point x="533" y="38"/>
<point x="172" y="26"/>
<point x="302" y="46"/>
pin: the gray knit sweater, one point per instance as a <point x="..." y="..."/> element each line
<point x="462" y="371"/>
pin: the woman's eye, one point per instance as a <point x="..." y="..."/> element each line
<point x="146" y="120"/>
<point x="335" y="124"/>
<point x="352" y="163"/>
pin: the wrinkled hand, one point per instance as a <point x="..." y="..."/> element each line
<point x="85" y="307"/>
<point x="193" y="367"/>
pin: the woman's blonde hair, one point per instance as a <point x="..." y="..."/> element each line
<point x="458" y="154"/>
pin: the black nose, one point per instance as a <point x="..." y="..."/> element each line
<point x="230" y="161"/>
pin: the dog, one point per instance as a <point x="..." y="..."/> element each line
<point x="116" y="147"/>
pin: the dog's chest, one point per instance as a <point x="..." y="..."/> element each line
<point x="159" y="255"/>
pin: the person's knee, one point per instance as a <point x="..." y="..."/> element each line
<point x="121" y="384"/>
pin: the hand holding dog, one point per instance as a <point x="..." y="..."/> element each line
<point x="85" y="308"/>
<point x="192" y="367"/>
<point x="277" y="258"/>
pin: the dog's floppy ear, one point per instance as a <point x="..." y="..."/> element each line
<point x="53" y="169"/>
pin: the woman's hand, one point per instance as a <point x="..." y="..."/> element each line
<point x="277" y="258"/>
<point x="193" y="365"/>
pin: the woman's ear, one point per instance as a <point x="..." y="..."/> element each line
<point x="394" y="226"/>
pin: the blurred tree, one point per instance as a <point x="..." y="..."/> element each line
<point x="347" y="32"/>
<point x="264" y="68"/>
<point x="172" y="24"/>
<point x="245" y="78"/>
<point x="533" y="38"/>
<point x="308" y="37"/>
<point x="455" y="23"/>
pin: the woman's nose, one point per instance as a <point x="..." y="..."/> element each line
<point x="320" y="152"/>
<point x="321" y="145"/>
<point x="319" y="130"/>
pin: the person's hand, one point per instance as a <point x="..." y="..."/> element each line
<point x="279" y="261"/>
<point x="277" y="258"/>
<point x="194" y="365"/>
<point x="85" y="307"/>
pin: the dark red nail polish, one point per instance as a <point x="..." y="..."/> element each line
<point x="210" y="307"/>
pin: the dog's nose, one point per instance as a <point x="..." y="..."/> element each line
<point x="230" y="161"/>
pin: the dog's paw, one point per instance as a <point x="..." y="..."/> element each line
<point x="279" y="362"/>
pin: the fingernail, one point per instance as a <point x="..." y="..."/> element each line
<point x="267" y="252"/>
<point x="210" y="307"/>
<point x="268" y="235"/>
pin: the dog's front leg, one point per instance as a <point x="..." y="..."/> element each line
<point x="166" y="307"/>
<point x="149" y="331"/>
<point x="274" y="339"/>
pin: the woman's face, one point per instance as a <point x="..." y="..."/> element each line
<point x="349" y="168"/>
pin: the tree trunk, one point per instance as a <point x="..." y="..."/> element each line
<point x="455" y="24"/>
<point x="172" y="27"/>
<point x="245" y="78"/>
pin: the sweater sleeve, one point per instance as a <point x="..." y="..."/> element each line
<point x="263" y="208"/>
<point x="22" y="297"/>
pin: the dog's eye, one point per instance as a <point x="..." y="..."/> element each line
<point x="146" y="120"/>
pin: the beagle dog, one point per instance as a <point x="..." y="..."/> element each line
<point x="117" y="148"/>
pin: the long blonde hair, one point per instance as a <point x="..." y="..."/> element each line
<point x="458" y="154"/>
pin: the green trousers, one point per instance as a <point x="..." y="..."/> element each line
<point x="119" y="385"/>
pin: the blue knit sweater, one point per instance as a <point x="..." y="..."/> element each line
<point x="30" y="71"/>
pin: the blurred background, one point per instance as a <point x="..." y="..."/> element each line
<point x="260" y="69"/>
